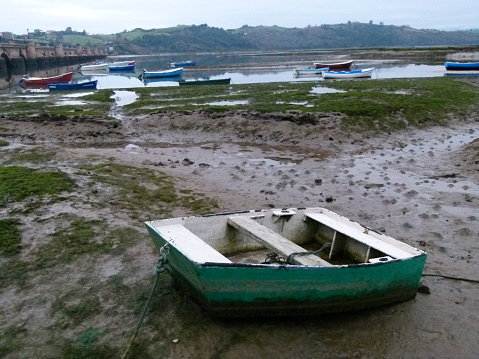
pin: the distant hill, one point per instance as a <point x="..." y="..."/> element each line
<point x="197" y="38"/>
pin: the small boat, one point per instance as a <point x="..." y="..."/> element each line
<point x="43" y="81"/>
<point x="335" y="66"/>
<point x="205" y="82"/>
<point x="69" y="86"/>
<point x="164" y="73"/>
<point x="121" y="65"/>
<point x="461" y="66"/>
<point x="309" y="72"/>
<point x="183" y="64"/>
<point x="348" y="74"/>
<point x="150" y="80"/>
<point x="295" y="261"/>
<point x="94" y="67"/>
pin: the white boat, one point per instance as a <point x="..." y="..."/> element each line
<point x="309" y="72"/>
<point x="348" y="74"/>
<point x="97" y="66"/>
<point x="122" y="65"/>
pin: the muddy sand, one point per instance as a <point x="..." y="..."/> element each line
<point x="419" y="186"/>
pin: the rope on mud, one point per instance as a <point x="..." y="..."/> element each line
<point x="450" y="277"/>
<point x="160" y="267"/>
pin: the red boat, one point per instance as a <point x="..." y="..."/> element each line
<point x="40" y="81"/>
<point x="334" y="66"/>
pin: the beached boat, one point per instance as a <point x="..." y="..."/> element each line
<point x="348" y="74"/>
<point x="309" y="72"/>
<point x="70" y="86"/>
<point x="164" y="73"/>
<point x="205" y="82"/>
<point x="121" y="65"/>
<point x="335" y="66"/>
<point x="461" y="66"/>
<point x="183" y="64"/>
<point x="43" y="81"/>
<point x="94" y="67"/>
<point x="286" y="262"/>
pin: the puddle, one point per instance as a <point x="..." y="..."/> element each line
<point x="226" y="103"/>
<point x="123" y="98"/>
<point x="302" y="103"/>
<point x="77" y="94"/>
<point x="34" y="96"/>
<point x="69" y="102"/>
<point x="322" y="90"/>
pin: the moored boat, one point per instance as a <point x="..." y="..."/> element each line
<point x="163" y="73"/>
<point x="43" y="81"/>
<point x="363" y="73"/>
<point x="335" y="66"/>
<point x="121" y="65"/>
<point x="461" y="66"/>
<point x="309" y="72"/>
<point x="70" y="86"/>
<point x="205" y="82"/>
<point x="183" y="64"/>
<point x="296" y="261"/>
<point x="94" y="67"/>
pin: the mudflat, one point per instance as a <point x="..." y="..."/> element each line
<point x="418" y="186"/>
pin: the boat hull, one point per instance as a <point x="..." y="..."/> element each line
<point x="205" y="82"/>
<point x="244" y="291"/>
<point x="96" y="67"/>
<point x="122" y="68"/>
<point x="166" y="73"/>
<point x="309" y="72"/>
<point x="335" y="66"/>
<point x="365" y="73"/>
<point x="247" y="289"/>
<point x="462" y="66"/>
<point x="43" y="81"/>
<point x="73" y="86"/>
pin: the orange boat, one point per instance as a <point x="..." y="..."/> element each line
<point x="40" y="81"/>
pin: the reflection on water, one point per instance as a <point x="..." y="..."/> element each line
<point x="239" y="67"/>
<point x="322" y="89"/>
<point x="123" y="98"/>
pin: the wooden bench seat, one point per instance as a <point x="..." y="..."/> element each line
<point x="274" y="241"/>
<point x="192" y="246"/>
<point x="363" y="237"/>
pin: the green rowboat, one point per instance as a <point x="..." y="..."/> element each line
<point x="296" y="261"/>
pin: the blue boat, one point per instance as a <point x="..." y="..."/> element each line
<point x="182" y="64"/>
<point x="164" y="73"/>
<point x="461" y="66"/>
<point x="122" y="68"/>
<point x="68" y="86"/>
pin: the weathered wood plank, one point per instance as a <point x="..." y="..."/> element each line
<point x="363" y="237"/>
<point x="274" y="241"/>
<point x="191" y="245"/>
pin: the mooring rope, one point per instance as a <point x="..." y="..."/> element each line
<point x="450" y="277"/>
<point x="161" y="266"/>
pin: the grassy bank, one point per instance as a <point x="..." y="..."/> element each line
<point x="376" y="104"/>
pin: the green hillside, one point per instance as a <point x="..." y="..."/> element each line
<point x="197" y="38"/>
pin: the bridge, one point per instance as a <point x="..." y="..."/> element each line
<point x="24" y="57"/>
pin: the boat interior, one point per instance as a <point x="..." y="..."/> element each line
<point x="308" y="237"/>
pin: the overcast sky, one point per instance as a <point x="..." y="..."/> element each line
<point x="112" y="16"/>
